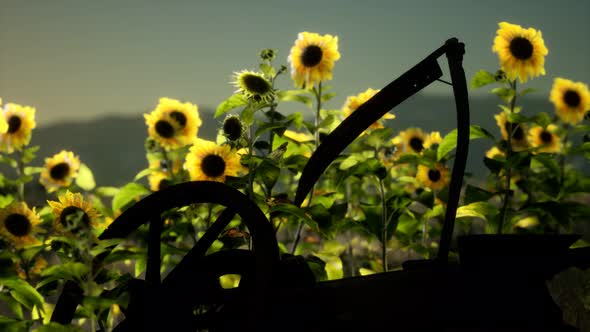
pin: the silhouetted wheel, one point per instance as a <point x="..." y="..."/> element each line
<point x="190" y="297"/>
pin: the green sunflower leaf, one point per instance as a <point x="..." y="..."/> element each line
<point x="68" y="271"/>
<point x="449" y="142"/>
<point x="508" y="111"/>
<point x="56" y="327"/>
<point x="230" y="103"/>
<point x="494" y="165"/>
<point x="5" y="200"/>
<point x="12" y="325"/>
<point x="296" y="212"/>
<point x="267" y="70"/>
<point x="29" y="154"/>
<point x="328" y="96"/>
<point x="13" y="305"/>
<point x="143" y="173"/>
<point x="269" y="173"/>
<point x="548" y="161"/>
<point x="475" y="194"/>
<point x="542" y="119"/>
<point x="482" y="78"/>
<point x="127" y="194"/>
<point x="350" y="161"/>
<point x="505" y="94"/>
<point x="107" y="191"/>
<point x="300" y="96"/>
<point x="277" y="127"/>
<point x="483" y="210"/>
<point x="377" y="137"/>
<point x="29" y="170"/>
<point x="85" y="178"/>
<point x="23" y="292"/>
<point x="517" y="118"/>
<point x="247" y="115"/>
<point x="7" y="160"/>
<point x="527" y="91"/>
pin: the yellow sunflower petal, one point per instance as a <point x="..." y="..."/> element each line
<point x="521" y="52"/>
<point x="544" y="139"/>
<point x="21" y="122"/>
<point x="69" y="208"/>
<point x="19" y="225"/>
<point x="173" y="124"/>
<point x="434" y="178"/>
<point x="312" y="58"/>
<point x="59" y="170"/>
<point x="211" y="162"/>
<point x="571" y="100"/>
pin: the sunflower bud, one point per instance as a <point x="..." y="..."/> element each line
<point x="267" y="54"/>
<point x="233" y="128"/>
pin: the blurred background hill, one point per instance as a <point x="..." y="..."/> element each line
<point x="113" y="145"/>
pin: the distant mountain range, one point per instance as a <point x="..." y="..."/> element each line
<point x="113" y="146"/>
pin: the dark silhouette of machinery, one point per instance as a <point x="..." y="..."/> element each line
<point x="497" y="285"/>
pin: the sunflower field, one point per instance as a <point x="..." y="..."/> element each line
<point x="378" y="204"/>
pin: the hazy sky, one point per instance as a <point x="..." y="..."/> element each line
<point x="82" y="59"/>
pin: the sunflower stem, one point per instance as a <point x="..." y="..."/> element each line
<point x="20" y="171"/>
<point x="383" y="226"/>
<point x="562" y="156"/>
<point x="250" y="162"/>
<point x="509" y="152"/>
<point x="318" y="95"/>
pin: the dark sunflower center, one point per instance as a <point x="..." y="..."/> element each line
<point x="311" y="56"/>
<point x="14" y="123"/>
<point x="59" y="171"/>
<point x="433" y="175"/>
<point x="521" y="48"/>
<point x="164" y="183"/>
<point x="17" y="224"/>
<point x="417" y="144"/>
<point x="164" y="129"/>
<point x="571" y="98"/>
<point x="72" y="216"/>
<point x="179" y="117"/>
<point x="232" y="128"/>
<point x="255" y="84"/>
<point x="546" y="137"/>
<point x="213" y="165"/>
<point x="388" y="152"/>
<point x="515" y="129"/>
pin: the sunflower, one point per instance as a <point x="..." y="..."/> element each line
<point x="158" y="180"/>
<point x="59" y="170"/>
<point x="173" y="124"/>
<point x="19" y="224"/>
<point x="21" y="122"/>
<point x="312" y="58"/>
<point x="254" y="86"/>
<point x="353" y="102"/>
<point x="233" y="128"/>
<point x="3" y="123"/>
<point x="433" y="139"/>
<point x="73" y="214"/>
<point x="414" y="140"/>
<point x="521" y="51"/>
<point x="209" y="161"/>
<point x="571" y="100"/>
<point x="545" y="139"/>
<point x="37" y="267"/>
<point x="495" y="152"/>
<point x="519" y="140"/>
<point x="387" y="155"/>
<point x="434" y="178"/>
